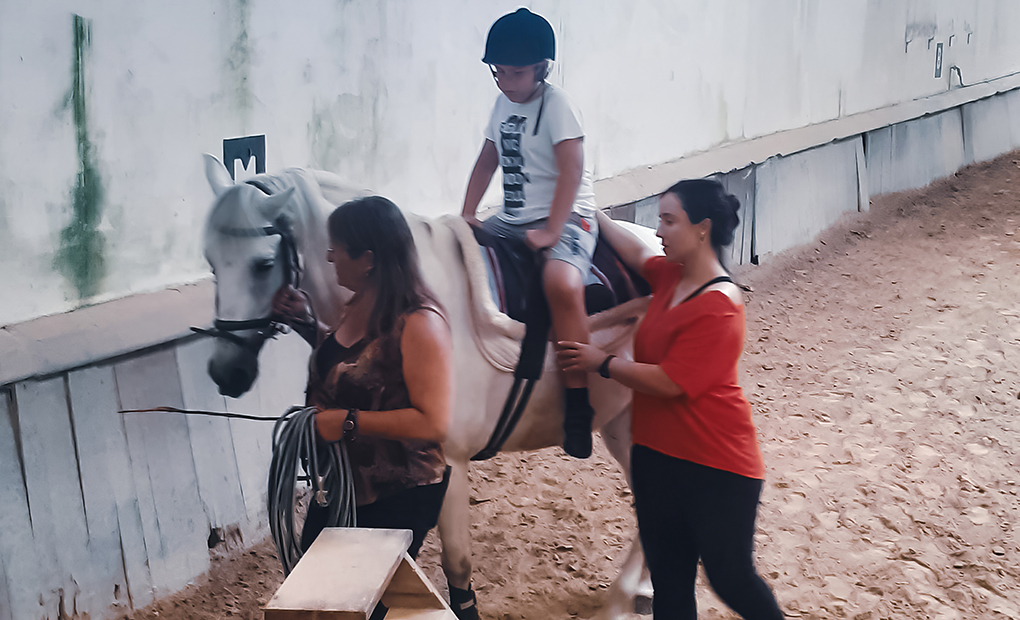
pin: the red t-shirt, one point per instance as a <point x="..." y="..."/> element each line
<point x="697" y="343"/>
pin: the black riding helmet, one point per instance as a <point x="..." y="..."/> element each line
<point x="520" y="39"/>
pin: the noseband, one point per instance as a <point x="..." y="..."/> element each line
<point x="268" y="327"/>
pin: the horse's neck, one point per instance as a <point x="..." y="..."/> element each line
<point x="312" y="237"/>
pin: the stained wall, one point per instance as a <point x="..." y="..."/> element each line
<point x="106" y="107"/>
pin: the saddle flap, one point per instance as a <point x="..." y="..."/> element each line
<point x="499" y="336"/>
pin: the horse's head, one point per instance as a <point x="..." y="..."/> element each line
<point x="250" y="246"/>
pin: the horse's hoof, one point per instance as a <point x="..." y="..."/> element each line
<point x="643" y="605"/>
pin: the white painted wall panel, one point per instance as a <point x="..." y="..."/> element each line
<point x="20" y="569"/>
<point x="797" y="197"/>
<point x="863" y="183"/>
<point x="1013" y="107"/>
<point x="283" y="374"/>
<point x="117" y="508"/>
<point x="987" y="129"/>
<point x="116" y="543"/>
<point x="212" y="446"/>
<point x="5" y="593"/>
<point x="741" y="183"/>
<point x="913" y="154"/>
<point x="253" y="449"/>
<point x="173" y="518"/>
<point x="54" y="490"/>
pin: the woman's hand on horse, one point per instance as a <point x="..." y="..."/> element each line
<point x="291" y="305"/>
<point x="579" y="356"/>
<point x="473" y="221"/>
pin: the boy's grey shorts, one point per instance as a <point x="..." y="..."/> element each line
<point x="576" y="245"/>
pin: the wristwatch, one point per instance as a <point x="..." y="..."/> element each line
<point x="350" y="425"/>
<point x="604" y="368"/>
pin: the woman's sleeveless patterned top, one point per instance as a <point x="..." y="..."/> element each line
<point x="369" y="376"/>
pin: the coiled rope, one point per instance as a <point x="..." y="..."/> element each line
<point x="296" y="444"/>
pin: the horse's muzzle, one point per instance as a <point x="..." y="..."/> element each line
<point x="234" y="368"/>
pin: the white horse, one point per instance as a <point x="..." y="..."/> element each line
<point x="255" y="226"/>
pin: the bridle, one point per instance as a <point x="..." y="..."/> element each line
<point x="267" y="327"/>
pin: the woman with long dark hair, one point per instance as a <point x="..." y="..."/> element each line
<point x="382" y="378"/>
<point x="696" y="467"/>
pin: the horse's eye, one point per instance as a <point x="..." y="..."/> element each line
<point x="262" y="266"/>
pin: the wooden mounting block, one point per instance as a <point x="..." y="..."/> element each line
<point x="347" y="571"/>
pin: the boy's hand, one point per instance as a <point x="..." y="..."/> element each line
<point x="540" y="239"/>
<point x="473" y="221"/>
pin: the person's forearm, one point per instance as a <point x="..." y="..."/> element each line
<point x="570" y="168"/>
<point x="563" y="199"/>
<point x="632" y="251"/>
<point x="562" y="206"/>
<point x="645" y="378"/>
<point x="481" y="176"/>
<point x="409" y="423"/>
<point x="477" y="184"/>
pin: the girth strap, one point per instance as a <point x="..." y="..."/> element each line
<point x="529" y="366"/>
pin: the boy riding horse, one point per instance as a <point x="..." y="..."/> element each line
<point x="535" y="136"/>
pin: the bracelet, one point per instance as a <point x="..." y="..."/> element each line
<point x="350" y="425"/>
<point x="604" y="367"/>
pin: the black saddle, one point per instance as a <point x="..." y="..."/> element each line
<point x="517" y="271"/>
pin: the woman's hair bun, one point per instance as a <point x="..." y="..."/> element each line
<point x="707" y="198"/>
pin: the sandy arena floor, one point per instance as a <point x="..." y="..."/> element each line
<point x="883" y="363"/>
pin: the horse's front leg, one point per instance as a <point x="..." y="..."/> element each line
<point x="455" y="533"/>
<point x="632" y="590"/>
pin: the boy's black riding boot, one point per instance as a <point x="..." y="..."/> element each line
<point x="577" y="416"/>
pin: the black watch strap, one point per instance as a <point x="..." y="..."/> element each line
<point x="604" y="368"/>
<point x="351" y="424"/>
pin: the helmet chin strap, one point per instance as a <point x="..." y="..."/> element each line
<point x="541" y="106"/>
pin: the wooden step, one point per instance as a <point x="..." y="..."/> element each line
<point x="347" y="571"/>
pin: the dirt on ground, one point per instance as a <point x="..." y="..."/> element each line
<point x="883" y="364"/>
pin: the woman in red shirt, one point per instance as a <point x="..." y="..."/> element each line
<point x="696" y="468"/>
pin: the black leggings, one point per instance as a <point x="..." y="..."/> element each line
<point x="415" y="509"/>
<point x="687" y="511"/>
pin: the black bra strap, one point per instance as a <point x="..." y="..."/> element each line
<point x="708" y="284"/>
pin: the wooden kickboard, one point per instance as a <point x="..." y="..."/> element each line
<point x="347" y="571"/>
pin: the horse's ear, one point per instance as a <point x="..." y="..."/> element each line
<point x="273" y="205"/>
<point x="219" y="178"/>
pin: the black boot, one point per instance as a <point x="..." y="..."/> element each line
<point x="577" y="416"/>
<point x="463" y="603"/>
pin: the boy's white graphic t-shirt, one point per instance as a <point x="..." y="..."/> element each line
<point x="527" y="158"/>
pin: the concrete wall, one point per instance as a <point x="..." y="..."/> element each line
<point x="788" y="199"/>
<point x="103" y="117"/>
